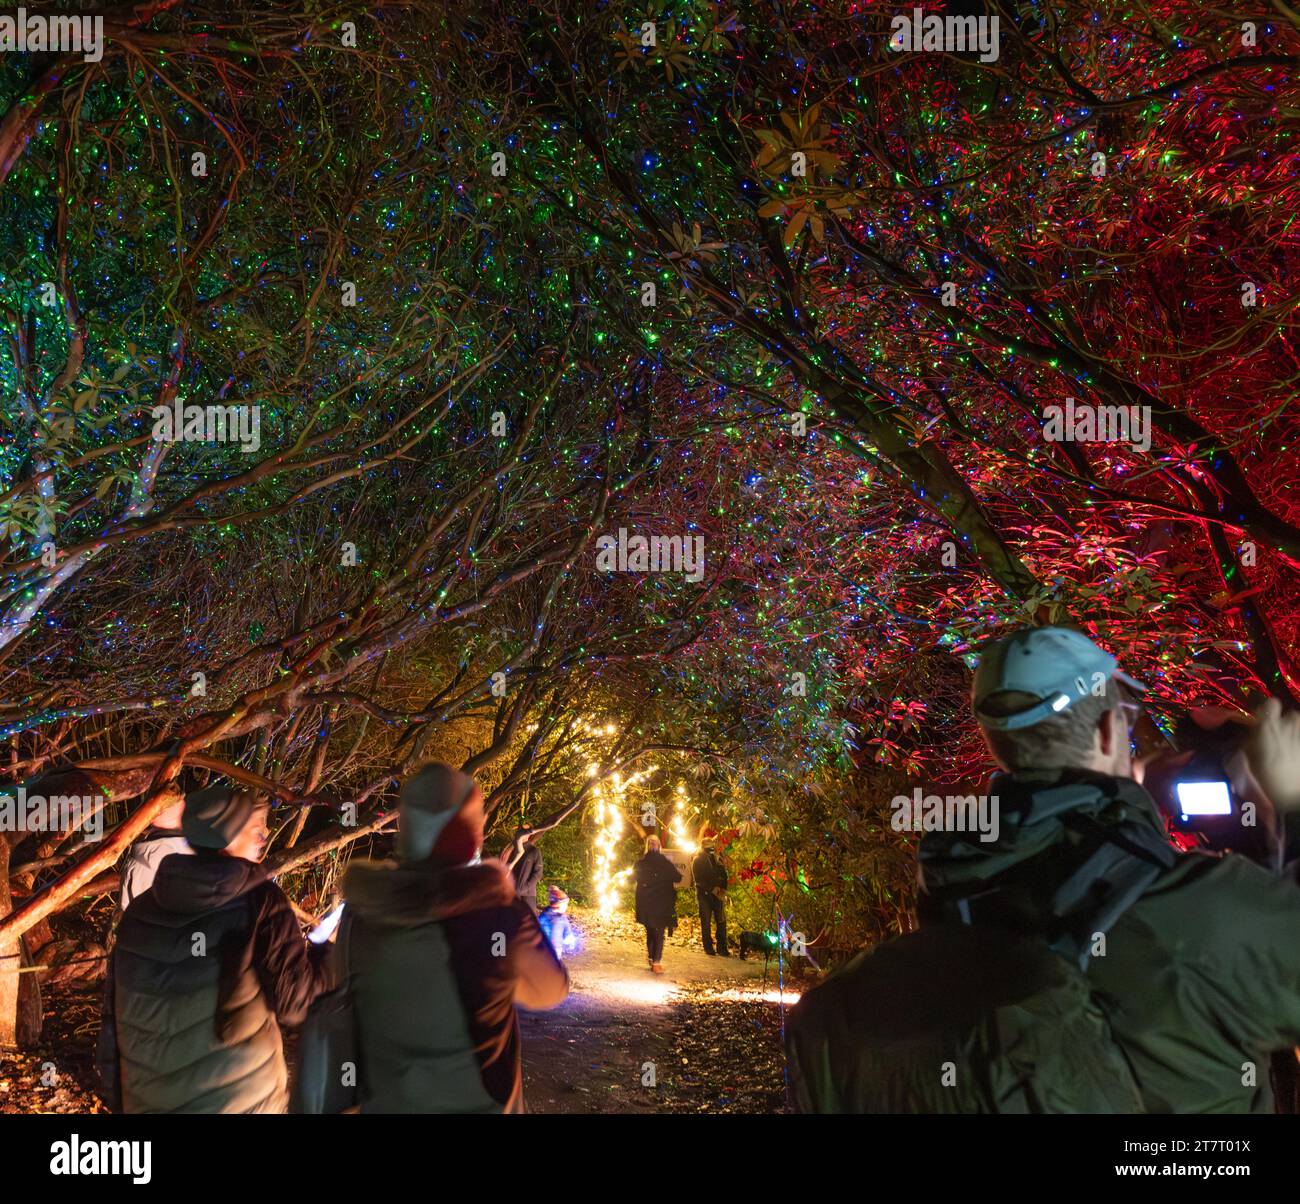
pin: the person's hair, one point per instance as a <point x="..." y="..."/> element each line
<point x="1063" y="741"/>
<point x="652" y="844"/>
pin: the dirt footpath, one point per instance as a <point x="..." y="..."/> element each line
<point x="702" y="1036"/>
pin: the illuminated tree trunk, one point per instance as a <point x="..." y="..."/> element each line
<point x="10" y="960"/>
<point x="20" y="994"/>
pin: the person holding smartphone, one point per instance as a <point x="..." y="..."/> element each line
<point x="1187" y="962"/>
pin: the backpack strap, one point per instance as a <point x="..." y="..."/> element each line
<point x="1121" y="864"/>
<point x="1113" y="867"/>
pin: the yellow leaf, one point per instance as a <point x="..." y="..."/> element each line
<point x="796" y="224"/>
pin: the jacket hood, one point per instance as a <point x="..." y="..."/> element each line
<point x="192" y="884"/>
<point x="402" y="896"/>
<point x="1035" y="812"/>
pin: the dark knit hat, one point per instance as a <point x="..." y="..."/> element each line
<point x="427" y="803"/>
<point x="214" y="816"/>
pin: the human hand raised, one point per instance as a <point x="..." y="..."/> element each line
<point x="1273" y="753"/>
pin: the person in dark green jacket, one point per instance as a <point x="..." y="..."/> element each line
<point x="1190" y="963"/>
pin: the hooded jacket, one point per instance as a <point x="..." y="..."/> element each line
<point x="209" y="962"/>
<point x="143" y="859"/>
<point x="439" y="957"/>
<point x="1198" y="978"/>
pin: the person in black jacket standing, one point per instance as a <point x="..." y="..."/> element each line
<point x="711" y="894"/>
<point x="656" y="899"/>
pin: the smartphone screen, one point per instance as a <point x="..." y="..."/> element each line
<point x="1203" y="798"/>
<point x="325" y="929"/>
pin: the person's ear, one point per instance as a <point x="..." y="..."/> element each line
<point x="1106" y="730"/>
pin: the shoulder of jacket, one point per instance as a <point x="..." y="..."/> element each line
<point x="1225" y="902"/>
<point x="1204" y="870"/>
<point x="267" y="897"/>
<point x="509" y="919"/>
<point x="1232" y="872"/>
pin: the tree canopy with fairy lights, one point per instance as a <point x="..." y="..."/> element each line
<point x="499" y="279"/>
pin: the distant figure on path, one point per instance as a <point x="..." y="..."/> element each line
<point x="527" y="869"/>
<point x="711" y="894"/>
<point x="555" y="919"/>
<point x="656" y="899"/>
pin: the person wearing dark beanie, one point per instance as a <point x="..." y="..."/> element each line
<point x="213" y="936"/>
<point x="215" y="816"/>
<point x="440" y="951"/>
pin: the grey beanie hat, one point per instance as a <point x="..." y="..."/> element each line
<point x="427" y="803"/>
<point x="214" y="816"/>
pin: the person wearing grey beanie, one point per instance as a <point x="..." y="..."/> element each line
<point x="440" y="951"/>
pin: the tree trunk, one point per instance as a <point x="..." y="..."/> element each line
<point x="10" y="960"/>
<point x="31" y="1014"/>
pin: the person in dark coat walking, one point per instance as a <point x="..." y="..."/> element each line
<point x="711" y="893"/>
<point x="442" y="950"/>
<point x="209" y="963"/>
<point x="527" y="867"/>
<point x="656" y="899"/>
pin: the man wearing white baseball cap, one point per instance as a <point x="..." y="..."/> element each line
<point x="1186" y="965"/>
<point x="1057" y="667"/>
